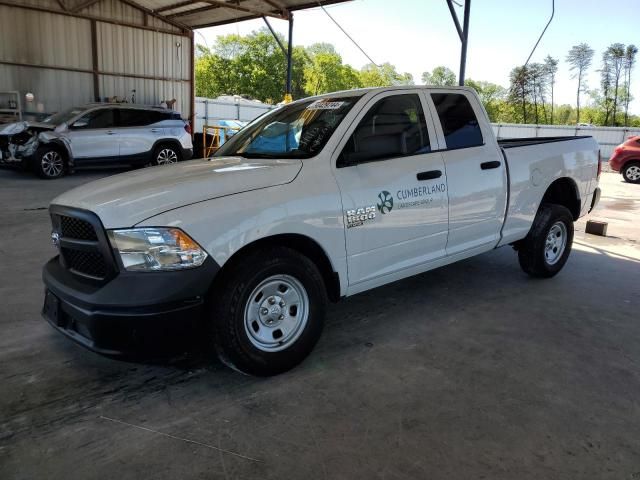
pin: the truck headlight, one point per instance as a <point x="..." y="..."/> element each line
<point x="156" y="249"/>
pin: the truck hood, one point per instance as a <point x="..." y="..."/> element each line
<point x="127" y="199"/>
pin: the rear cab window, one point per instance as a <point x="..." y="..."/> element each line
<point x="459" y="122"/>
<point x="394" y="126"/>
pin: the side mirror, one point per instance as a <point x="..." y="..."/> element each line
<point x="80" y="124"/>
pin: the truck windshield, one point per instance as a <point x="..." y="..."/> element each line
<point x="297" y="130"/>
<point x="64" y="116"/>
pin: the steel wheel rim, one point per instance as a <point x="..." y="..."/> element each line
<point x="633" y="173"/>
<point x="276" y="313"/>
<point x="52" y="164"/>
<point x="555" y="243"/>
<point x="166" y="155"/>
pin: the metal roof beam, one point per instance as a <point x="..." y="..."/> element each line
<point x="214" y="4"/>
<point x="175" y="5"/>
<point x="176" y="24"/>
<point x="83" y="5"/>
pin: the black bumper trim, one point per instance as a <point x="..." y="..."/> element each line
<point x="187" y="153"/>
<point x="133" y="314"/>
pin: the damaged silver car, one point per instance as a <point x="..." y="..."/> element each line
<point x="19" y="144"/>
<point x="96" y="134"/>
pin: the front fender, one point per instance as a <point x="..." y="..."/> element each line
<point x="225" y="225"/>
<point x="49" y="138"/>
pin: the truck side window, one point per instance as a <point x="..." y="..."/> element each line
<point x="459" y="122"/>
<point x="394" y="127"/>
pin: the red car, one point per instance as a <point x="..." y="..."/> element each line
<point x="626" y="159"/>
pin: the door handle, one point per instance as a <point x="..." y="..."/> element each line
<point x="489" y="165"/>
<point x="111" y="132"/>
<point x="430" y="175"/>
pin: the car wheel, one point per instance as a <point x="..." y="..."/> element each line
<point x="546" y="248"/>
<point x="268" y="313"/>
<point x="49" y="163"/>
<point x="165" y="155"/>
<point x="631" y="172"/>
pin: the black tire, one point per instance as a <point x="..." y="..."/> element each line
<point x="166" y="154"/>
<point x="49" y="163"/>
<point x="231" y="297"/>
<point x="631" y="172"/>
<point x="533" y="252"/>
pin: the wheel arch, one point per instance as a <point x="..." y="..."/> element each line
<point x="564" y="191"/>
<point x="166" y="141"/>
<point x="298" y="242"/>
<point x="59" y="146"/>
<point x="630" y="160"/>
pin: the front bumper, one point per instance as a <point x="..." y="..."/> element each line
<point x="135" y="313"/>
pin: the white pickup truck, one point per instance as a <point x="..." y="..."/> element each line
<point x="317" y="200"/>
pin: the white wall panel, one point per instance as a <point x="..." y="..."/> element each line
<point x="54" y="89"/>
<point x="143" y="52"/>
<point x="27" y="36"/>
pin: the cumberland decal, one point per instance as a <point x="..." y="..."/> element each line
<point x="422" y="195"/>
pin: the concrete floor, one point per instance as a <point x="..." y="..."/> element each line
<point x="469" y="371"/>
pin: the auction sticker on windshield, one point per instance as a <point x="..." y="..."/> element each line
<point x="322" y="105"/>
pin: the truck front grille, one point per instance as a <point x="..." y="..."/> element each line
<point x="76" y="228"/>
<point x="84" y="248"/>
<point x="86" y="263"/>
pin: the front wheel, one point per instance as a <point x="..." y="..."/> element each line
<point x="48" y="163"/>
<point x="268" y="313"/>
<point x="546" y="248"/>
<point x="631" y="172"/>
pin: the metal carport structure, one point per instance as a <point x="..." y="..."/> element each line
<point x="70" y="51"/>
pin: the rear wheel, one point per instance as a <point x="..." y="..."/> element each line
<point x="165" y="155"/>
<point x="268" y="313"/>
<point x="49" y="163"/>
<point x="546" y="248"/>
<point x="631" y="172"/>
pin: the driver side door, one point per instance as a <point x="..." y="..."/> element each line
<point x="94" y="138"/>
<point x="393" y="186"/>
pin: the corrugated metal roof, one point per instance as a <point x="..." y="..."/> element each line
<point x="208" y="13"/>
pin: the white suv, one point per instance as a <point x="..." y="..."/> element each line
<point x="98" y="134"/>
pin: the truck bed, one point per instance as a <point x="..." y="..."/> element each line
<point x="525" y="141"/>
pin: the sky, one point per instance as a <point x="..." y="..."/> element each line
<point x="418" y="35"/>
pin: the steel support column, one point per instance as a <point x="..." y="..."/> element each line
<point x="465" y="40"/>
<point x="288" y="97"/>
<point x="463" y="33"/>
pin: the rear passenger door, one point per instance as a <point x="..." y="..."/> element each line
<point x="393" y="191"/>
<point x="476" y="173"/>
<point x="138" y="130"/>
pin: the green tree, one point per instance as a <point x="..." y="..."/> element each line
<point x="325" y="71"/>
<point x="579" y="58"/>
<point x="520" y="89"/>
<point x="251" y="65"/>
<point x="384" y="75"/>
<point x="551" y="68"/>
<point x="491" y="95"/>
<point x="629" y="63"/>
<point x="441" y="76"/>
